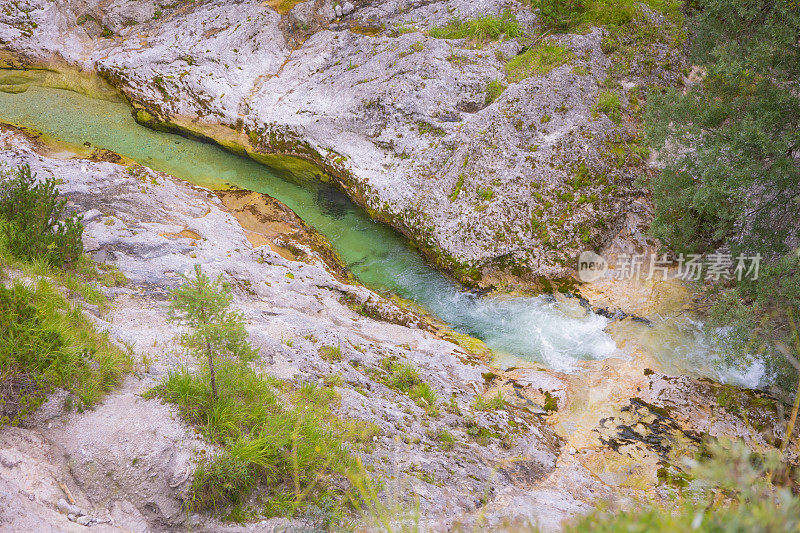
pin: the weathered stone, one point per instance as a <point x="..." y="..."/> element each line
<point x="400" y="119"/>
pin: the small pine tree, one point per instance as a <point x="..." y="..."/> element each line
<point x="202" y="304"/>
<point x="32" y="219"/>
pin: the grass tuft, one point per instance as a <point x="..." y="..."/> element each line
<point x="406" y="379"/>
<point x="289" y="450"/>
<point x="47" y="343"/>
<point x="537" y="61"/>
<point x="481" y="29"/>
<point x="492" y="404"/>
<point x="609" y="104"/>
<point x="493" y="91"/>
<point x="331" y="353"/>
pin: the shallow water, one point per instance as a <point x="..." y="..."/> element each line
<point x="532" y="328"/>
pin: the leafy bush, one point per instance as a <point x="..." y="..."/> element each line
<point x="30" y="219"/>
<point x="537" y="61"/>
<point x="480" y="29"/>
<point x="46" y="343"/>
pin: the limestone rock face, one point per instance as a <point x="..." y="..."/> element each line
<point x="402" y="120"/>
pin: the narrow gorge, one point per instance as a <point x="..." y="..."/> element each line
<point x="394" y="195"/>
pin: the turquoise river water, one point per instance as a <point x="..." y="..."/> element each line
<point x="531" y="328"/>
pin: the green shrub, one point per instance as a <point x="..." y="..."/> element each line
<point x="537" y="61"/>
<point x="30" y="219"/>
<point x="480" y="29"/>
<point x="45" y="343"/>
<point x="221" y="481"/>
<point x="493" y="90"/>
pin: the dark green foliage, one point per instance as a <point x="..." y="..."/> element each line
<point x="732" y="175"/>
<point x="31" y="219"/>
<point x="762" y="318"/>
<point x="223" y="481"/>
<point x="32" y="356"/>
<point x="740" y="177"/>
<point x="47" y="343"/>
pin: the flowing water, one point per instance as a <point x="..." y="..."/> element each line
<point x="532" y="328"/>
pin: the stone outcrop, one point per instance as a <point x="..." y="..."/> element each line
<point x="510" y="189"/>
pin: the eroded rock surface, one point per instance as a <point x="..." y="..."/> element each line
<point x="505" y="190"/>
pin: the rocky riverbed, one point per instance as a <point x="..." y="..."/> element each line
<point x="562" y="442"/>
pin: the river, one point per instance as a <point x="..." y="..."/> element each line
<point x="532" y="328"/>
